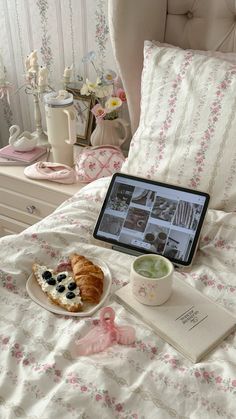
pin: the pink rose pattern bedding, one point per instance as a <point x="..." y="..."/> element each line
<point x="149" y="379"/>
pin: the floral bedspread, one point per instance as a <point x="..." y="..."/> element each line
<point x="39" y="378"/>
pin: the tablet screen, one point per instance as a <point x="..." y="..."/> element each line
<point x="152" y="217"/>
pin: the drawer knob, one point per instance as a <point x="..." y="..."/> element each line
<point x="31" y="209"/>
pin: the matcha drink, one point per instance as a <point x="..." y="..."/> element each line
<point x="150" y="267"/>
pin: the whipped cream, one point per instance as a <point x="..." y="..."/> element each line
<point x="51" y="289"/>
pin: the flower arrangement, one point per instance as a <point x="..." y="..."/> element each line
<point x="108" y="96"/>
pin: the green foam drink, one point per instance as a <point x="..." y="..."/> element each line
<point x="150" y="267"/>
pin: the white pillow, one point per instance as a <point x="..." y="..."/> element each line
<point x="226" y="56"/>
<point x="187" y="130"/>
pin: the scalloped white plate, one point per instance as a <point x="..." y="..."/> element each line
<point x="38" y="296"/>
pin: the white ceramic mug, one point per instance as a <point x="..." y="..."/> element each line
<point x="153" y="290"/>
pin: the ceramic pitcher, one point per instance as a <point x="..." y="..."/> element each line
<point x="109" y="132"/>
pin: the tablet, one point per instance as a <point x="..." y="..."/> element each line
<point x="142" y="216"/>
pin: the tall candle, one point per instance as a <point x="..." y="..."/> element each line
<point x="67" y="72"/>
<point x="43" y="76"/>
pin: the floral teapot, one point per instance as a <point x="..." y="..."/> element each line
<point x="108" y="132"/>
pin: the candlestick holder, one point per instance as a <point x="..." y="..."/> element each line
<point x="5" y="86"/>
<point x="36" y="84"/>
<point x="42" y="138"/>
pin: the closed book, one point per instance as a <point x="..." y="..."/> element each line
<point x="10" y="153"/>
<point x="9" y="162"/>
<point x="189" y="321"/>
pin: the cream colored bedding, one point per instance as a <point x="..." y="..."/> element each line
<point x="40" y="379"/>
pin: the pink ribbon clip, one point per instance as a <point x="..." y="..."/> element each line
<point x="107" y="333"/>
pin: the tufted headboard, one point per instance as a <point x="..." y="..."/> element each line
<point x="195" y="24"/>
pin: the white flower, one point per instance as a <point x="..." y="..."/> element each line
<point x="89" y="87"/>
<point x="113" y="103"/>
<point x="109" y="76"/>
<point x="84" y="90"/>
<point x="103" y="91"/>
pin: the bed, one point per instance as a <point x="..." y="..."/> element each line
<point x="40" y="379"/>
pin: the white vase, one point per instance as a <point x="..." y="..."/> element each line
<point x="108" y="132"/>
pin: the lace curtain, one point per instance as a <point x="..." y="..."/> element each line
<point x="62" y="31"/>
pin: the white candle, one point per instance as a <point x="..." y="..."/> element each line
<point x="33" y="59"/>
<point x="27" y="63"/>
<point x="43" y="76"/>
<point x="67" y="72"/>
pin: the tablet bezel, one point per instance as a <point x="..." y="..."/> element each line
<point x="135" y="249"/>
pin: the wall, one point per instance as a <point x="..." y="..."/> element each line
<point x="62" y="31"/>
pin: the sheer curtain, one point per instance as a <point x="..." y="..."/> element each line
<point x="62" y="32"/>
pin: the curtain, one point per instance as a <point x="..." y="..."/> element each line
<point x="62" y="32"/>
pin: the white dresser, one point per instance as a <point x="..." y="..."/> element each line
<point x="24" y="201"/>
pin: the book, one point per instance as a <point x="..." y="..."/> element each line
<point x="9" y="162"/>
<point x="8" y="152"/>
<point x="189" y="321"/>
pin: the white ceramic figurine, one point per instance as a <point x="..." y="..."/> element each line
<point x="21" y="142"/>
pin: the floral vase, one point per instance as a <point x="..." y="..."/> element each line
<point x="109" y="132"/>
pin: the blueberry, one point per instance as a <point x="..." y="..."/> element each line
<point x="46" y="275"/>
<point x="60" y="288"/>
<point x="70" y="295"/>
<point x="60" y="277"/>
<point x="72" y="286"/>
<point x="51" y="281"/>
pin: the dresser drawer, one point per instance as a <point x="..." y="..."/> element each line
<point x="34" y="190"/>
<point x="23" y="208"/>
<point x="10" y="226"/>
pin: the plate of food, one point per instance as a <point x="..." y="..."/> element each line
<point x="78" y="288"/>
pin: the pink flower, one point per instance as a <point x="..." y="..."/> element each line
<point x="16" y="345"/>
<point x="84" y="388"/>
<point x="234" y="383"/>
<point x="119" y="407"/>
<point x="18" y="354"/>
<point x="5" y="341"/>
<point x="116" y="165"/>
<point x="98" y="397"/>
<point x="218" y="379"/>
<point x="223" y="85"/>
<point x="120" y="93"/>
<point x="98" y="111"/>
<point x="197" y="374"/>
<point x="92" y="166"/>
<point x="210" y="282"/>
<point x="58" y="373"/>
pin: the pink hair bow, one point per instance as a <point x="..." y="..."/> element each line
<point x="107" y="333"/>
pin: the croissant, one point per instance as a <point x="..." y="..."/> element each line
<point x="88" y="277"/>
